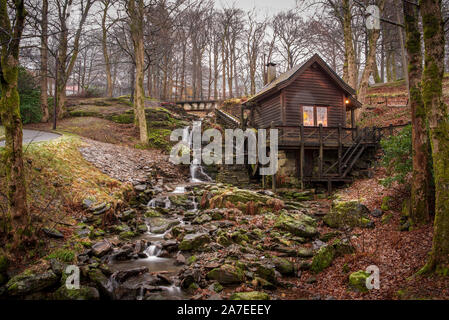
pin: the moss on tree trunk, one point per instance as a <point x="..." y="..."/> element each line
<point x="10" y="116"/>
<point x="437" y="113"/>
<point x="420" y="194"/>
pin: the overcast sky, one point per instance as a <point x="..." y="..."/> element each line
<point x="264" y="6"/>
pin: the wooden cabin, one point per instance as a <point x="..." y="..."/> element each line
<point x="313" y="108"/>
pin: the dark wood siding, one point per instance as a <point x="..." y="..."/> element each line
<point x="268" y="111"/>
<point x="314" y="88"/>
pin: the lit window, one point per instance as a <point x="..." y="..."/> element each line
<point x="321" y="116"/>
<point x="308" y="118"/>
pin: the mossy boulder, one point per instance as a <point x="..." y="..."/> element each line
<point x="284" y="266"/>
<point x="266" y="271"/>
<point x="151" y="213"/>
<point x="326" y="254"/>
<point x="348" y="214"/>
<point x="357" y="280"/>
<point x="236" y="196"/>
<point x="204" y="218"/>
<point x="30" y="282"/>
<point x="227" y="274"/>
<point x="297" y="224"/>
<point x="83" y="293"/>
<point x="126" y="235"/>
<point x="194" y="241"/>
<point x="239" y="237"/>
<point x="161" y="225"/>
<point x="253" y="295"/>
<point x="386" y="203"/>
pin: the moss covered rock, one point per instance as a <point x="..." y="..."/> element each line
<point x="194" y="241"/>
<point x="30" y="282"/>
<point x="348" y="214"/>
<point x="284" y="266"/>
<point x="253" y="295"/>
<point x="297" y="223"/>
<point x="357" y="280"/>
<point x="236" y="196"/>
<point x="227" y="274"/>
<point x="83" y="293"/>
<point x="328" y="253"/>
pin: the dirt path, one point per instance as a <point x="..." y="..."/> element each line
<point x="131" y="165"/>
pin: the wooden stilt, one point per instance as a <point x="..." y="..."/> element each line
<point x="321" y="152"/>
<point x="301" y="157"/>
<point x="273" y="178"/>
<point x="340" y="150"/>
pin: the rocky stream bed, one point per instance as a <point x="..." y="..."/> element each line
<point x="200" y="241"/>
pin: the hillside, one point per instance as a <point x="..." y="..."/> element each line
<point x="387" y="103"/>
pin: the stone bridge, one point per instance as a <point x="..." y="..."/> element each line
<point x="199" y="106"/>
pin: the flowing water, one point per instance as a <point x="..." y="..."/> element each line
<point x="197" y="174"/>
<point x="153" y="261"/>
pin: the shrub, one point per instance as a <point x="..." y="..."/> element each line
<point x="397" y="157"/>
<point x="30" y="107"/>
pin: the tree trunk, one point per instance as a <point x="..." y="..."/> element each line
<point x="373" y="37"/>
<point x="349" y="45"/>
<point x="44" y="62"/>
<point x="137" y="17"/>
<point x="10" y="116"/>
<point x="438" y="117"/>
<point x="109" y="84"/>
<point x="419" y="213"/>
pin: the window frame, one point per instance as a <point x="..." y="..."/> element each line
<point x="315" y="115"/>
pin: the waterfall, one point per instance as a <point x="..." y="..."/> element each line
<point x="197" y="173"/>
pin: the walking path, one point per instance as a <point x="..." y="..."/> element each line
<point x="30" y="136"/>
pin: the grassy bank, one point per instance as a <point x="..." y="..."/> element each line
<point x="59" y="179"/>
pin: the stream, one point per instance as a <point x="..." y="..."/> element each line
<point x="157" y="261"/>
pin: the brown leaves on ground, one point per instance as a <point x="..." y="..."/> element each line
<point x="399" y="255"/>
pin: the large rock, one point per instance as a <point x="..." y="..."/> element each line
<point x="160" y="225"/>
<point x="101" y="248"/>
<point x="297" y="223"/>
<point x="101" y="281"/>
<point x="204" y="218"/>
<point x="253" y="295"/>
<point x="30" y="282"/>
<point x="236" y="196"/>
<point x="227" y="274"/>
<point x="83" y="293"/>
<point x="328" y="253"/>
<point x="357" y="280"/>
<point x="194" y="241"/>
<point x="284" y="266"/>
<point x="345" y="214"/>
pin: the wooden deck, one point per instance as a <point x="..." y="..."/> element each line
<point x="350" y="144"/>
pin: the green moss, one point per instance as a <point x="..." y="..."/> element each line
<point x="253" y="295"/>
<point x="326" y="255"/>
<point x="192" y="260"/>
<point x="126" y="235"/>
<point x="63" y="255"/>
<point x="357" y="280"/>
<point x="124" y="118"/>
<point x="323" y="259"/>
<point x="385" y="203"/>
<point x="159" y="139"/>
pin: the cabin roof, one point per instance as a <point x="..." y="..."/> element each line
<point x="284" y="79"/>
